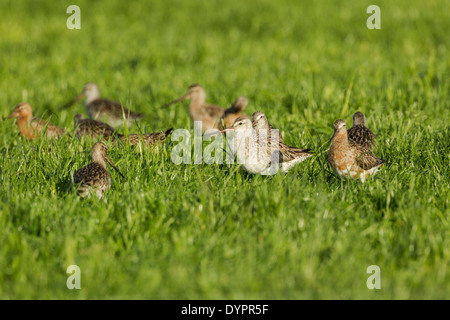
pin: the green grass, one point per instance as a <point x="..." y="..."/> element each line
<point x="170" y="231"/>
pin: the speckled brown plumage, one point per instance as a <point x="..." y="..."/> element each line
<point x="30" y="127"/>
<point x="359" y="133"/>
<point x="349" y="159"/>
<point x="94" y="128"/>
<point x="149" y="138"/>
<point x="94" y="176"/>
<point x="293" y="153"/>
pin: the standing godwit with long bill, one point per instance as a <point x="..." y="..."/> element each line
<point x="97" y="108"/>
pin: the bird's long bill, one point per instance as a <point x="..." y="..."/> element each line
<point x="112" y="165"/>
<point x="227" y="130"/>
<point x="12" y="115"/>
<point x="334" y="133"/>
<point x="211" y="132"/>
<point x="176" y="101"/>
<point x="68" y="104"/>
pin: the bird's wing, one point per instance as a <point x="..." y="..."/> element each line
<point x="39" y="124"/>
<point x="365" y="158"/>
<point x="89" y="126"/>
<point x="212" y="111"/>
<point x="89" y="174"/>
<point x="291" y="153"/>
<point x="149" y="138"/>
<point x="113" y="107"/>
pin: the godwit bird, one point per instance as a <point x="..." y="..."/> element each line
<point x="290" y="155"/>
<point x="31" y="127"/>
<point x="250" y="152"/>
<point x="349" y="159"/>
<point x="359" y="133"/>
<point x="93" y="128"/>
<point x="94" y="176"/>
<point x="103" y="109"/>
<point x="210" y="115"/>
<point x="257" y="152"/>
<point x="149" y="138"/>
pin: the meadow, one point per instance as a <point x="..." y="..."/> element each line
<point x="201" y="231"/>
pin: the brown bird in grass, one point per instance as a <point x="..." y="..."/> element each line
<point x="149" y="139"/>
<point x="94" y="177"/>
<point x="32" y="128"/>
<point x="359" y="133"/>
<point x="349" y="159"/>
<point x="97" y="129"/>
<point x="93" y="128"/>
<point x="210" y="115"/>
<point x="104" y="110"/>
